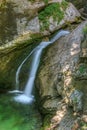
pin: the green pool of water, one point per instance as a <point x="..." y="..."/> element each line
<point x="16" y="116"/>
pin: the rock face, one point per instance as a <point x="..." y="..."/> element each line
<point x="20" y="26"/>
<point x="18" y="16"/>
<point x="11" y="56"/>
<point x="58" y="81"/>
<point x="78" y="3"/>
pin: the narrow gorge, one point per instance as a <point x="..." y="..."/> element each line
<point x="43" y="65"/>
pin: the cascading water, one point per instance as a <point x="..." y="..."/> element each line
<point x="26" y="96"/>
<point x="19" y="68"/>
<point x="18" y="72"/>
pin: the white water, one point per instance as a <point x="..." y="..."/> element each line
<point x="27" y="96"/>
<point x="19" y="68"/>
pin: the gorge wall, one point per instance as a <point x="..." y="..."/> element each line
<point x="60" y="85"/>
<point x="62" y="79"/>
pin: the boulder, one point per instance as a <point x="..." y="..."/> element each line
<point x="19" y="16"/>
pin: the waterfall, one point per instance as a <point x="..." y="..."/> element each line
<point x="18" y="72"/>
<point x="19" y="68"/>
<point x="26" y="96"/>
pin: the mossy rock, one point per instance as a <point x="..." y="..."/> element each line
<point x="85" y="31"/>
<point x="54" y="10"/>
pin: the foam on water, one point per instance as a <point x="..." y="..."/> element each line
<point x="24" y="99"/>
<point x="15" y="91"/>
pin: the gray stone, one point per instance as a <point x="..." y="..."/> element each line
<point x="76" y="100"/>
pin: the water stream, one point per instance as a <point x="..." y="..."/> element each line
<point x="26" y="96"/>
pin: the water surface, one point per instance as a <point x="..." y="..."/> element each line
<point x="15" y="116"/>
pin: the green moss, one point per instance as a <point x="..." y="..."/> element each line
<point x="82" y="68"/>
<point x="85" y="30"/>
<point x="83" y="125"/>
<point x="56" y="10"/>
<point x="3" y="4"/>
<point x="85" y="34"/>
<point x="46" y="122"/>
<point x="36" y="38"/>
<point x="45" y="1"/>
<point x="64" y="4"/>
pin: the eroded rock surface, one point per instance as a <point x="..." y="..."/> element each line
<point x="57" y="81"/>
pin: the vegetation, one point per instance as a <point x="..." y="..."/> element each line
<point x="45" y="1"/>
<point x="85" y="33"/>
<point x="56" y="10"/>
<point x="64" y="4"/>
<point x="85" y="30"/>
<point x="2" y="4"/>
<point x="83" y="125"/>
<point x="82" y="68"/>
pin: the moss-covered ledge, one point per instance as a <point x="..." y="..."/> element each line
<point x="22" y="41"/>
